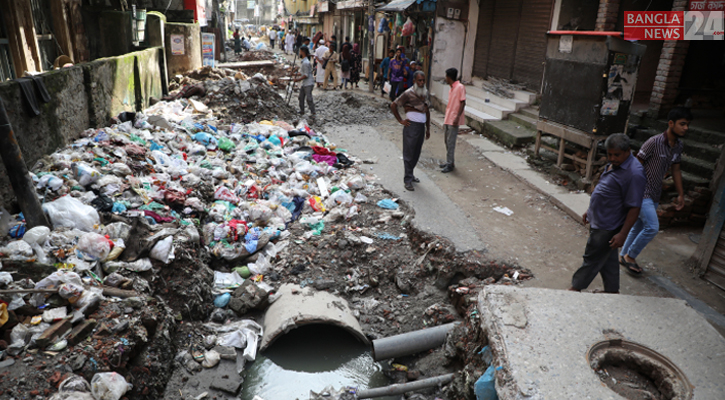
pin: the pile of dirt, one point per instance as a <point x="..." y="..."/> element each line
<point x="349" y="108"/>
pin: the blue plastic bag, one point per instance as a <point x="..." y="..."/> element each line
<point x="485" y="387"/>
<point x="222" y="300"/>
<point x="388" y="204"/>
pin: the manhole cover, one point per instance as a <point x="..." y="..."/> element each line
<point x="636" y="372"/>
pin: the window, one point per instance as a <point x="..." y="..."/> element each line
<point x="6" y="64"/>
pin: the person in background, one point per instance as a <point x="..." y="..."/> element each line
<point x="320" y="58"/>
<point x="355" y="65"/>
<point x="416" y="126"/>
<point x="289" y="40"/>
<point x="308" y="82"/>
<point x="237" y="42"/>
<point x="454" y="117"/>
<point x="384" y="66"/>
<point x="247" y="44"/>
<point x="272" y="37"/>
<point x="613" y="209"/>
<point x="345" y="64"/>
<point x="298" y="40"/>
<point x="658" y="155"/>
<point x="332" y="58"/>
<point x="396" y="72"/>
<point x="333" y="43"/>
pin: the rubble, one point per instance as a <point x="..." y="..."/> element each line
<point x="174" y="230"/>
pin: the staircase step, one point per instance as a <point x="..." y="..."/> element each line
<point x="511" y="104"/>
<point x="510" y="133"/>
<point x="703" y="151"/>
<point x="524" y="120"/>
<point x="532" y="112"/>
<point x="480" y="104"/>
<point x="479" y="116"/>
<point x="690" y="181"/>
<point x="697" y="167"/>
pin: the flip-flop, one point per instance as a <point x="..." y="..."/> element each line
<point x="632" y="267"/>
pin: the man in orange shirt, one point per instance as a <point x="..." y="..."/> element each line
<point x="454" y="117"/>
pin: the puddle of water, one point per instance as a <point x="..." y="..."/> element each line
<point x="311" y="358"/>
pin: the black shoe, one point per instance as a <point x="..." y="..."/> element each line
<point x="409" y="186"/>
<point x="416" y="180"/>
<point x="443" y="164"/>
<point x="447" y="169"/>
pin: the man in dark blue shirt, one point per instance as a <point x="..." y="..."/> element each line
<point x="613" y="209"/>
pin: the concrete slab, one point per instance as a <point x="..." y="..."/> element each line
<point x="541" y="337"/>
<point x="575" y="204"/>
<point x="484" y="144"/>
<point x="507" y="161"/>
<point x="540" y="182"/>
<point x="296" y="307"/>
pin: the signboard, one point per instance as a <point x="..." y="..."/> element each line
<point x="673" y="25"/>
<point x="256" y="11"/>
<point x="323" y="7"/>
<point x="207" y="49"/>
<point x="312" y="10"/>
<point x="177" y="45"/>
<point x="343" y="5"/>
<point x="250" y="4"/>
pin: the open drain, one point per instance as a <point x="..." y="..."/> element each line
<point x="636" y="372"/>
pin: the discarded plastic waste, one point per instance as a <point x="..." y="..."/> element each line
<point x="109" y="386"/>
<point x="504" y="210"/>
<point x="388" y="204"/>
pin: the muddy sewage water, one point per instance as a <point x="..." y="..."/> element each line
<point x="311" y="358"/>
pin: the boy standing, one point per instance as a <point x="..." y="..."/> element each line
<point x="613" y="209"/>
<point x="308" y="82"/>
<point x="454" y="117"/>
<point x="658" y="155"/>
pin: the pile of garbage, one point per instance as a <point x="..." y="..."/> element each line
<point x="139" y="211"/>
<point x="236" y="97"/>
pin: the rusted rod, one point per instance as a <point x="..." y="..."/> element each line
<point x="18" y="174"/>
<point x="401" y="388"/>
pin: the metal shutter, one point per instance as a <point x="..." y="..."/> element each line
<point x="504" y="36"/>
<point x="715" y="273"/>
<point x="531" y="47"/>
<point x="483" y="38"/>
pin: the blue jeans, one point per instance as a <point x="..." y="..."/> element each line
<point x="643" y="231"/>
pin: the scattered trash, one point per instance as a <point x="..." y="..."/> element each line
<point x="504" y="210"/>
<point x="388" y="204"/>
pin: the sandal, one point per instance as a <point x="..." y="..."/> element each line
<point x="632" y="267"/>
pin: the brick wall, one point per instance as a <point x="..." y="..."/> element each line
<point x="607" y="15"/>
<point x="669" y="71"/>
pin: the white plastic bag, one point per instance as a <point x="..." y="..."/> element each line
<point x="118" y="230"/>
<point x="94" y="245"/>
<point x="68" y="212"/>
<point x="18" y="250"/>
<point x="163" y="250"/>
<point x="84" y="174"/>
<point x="109" y="386"/>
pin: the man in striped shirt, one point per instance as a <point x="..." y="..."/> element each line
<point x="658" y="155"/>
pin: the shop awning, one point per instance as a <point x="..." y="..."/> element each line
<point x="396" y="5"/>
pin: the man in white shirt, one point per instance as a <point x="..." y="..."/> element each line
<point x="272" y="37"/>
<point x="320" y="58"/>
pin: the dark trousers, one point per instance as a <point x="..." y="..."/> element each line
<point x="394" y="90"/>
<point x="599" y="258"/>
<point x="271" y="42"/>
<point x="306" y="94"/>
<point x="413" y="138"/>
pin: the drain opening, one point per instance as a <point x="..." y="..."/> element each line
<point x="636" y="372"/>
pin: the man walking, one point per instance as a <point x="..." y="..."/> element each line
<point x="320" y="58"/>
<point x="308" y="82"/>
<point x="613" y="209"/>
<point x="658" y="155"/>
<point x="396" y="73"/>
<point x="272" y="37"/>
<point x="454" y="117"/>
<point x="414" y="102"/>
<point x="384" y="65"/>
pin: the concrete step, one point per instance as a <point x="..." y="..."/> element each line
<point x="523" y="120"/>
<point x="690" y="181"/>
<point x="480" y="104"/>
<point x="479" y="116"/>
<point x="694" y="134"/>
<point x="511" y="104"/>
<point x="695" y="166"/>
<point x="532" y="112"/>
<point x="510" y="133"/>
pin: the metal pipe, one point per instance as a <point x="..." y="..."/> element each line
<point x="18" y="174"/>
<point x="411" y="342"/>
<point x="401" y="388"/>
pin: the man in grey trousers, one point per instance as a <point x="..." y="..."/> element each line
<point x="454" y="117"/>
<point x="308" y="81"/>
<point x="414" y="102"/>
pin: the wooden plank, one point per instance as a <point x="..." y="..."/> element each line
<point x="713" y="226"/>
<point x="537" y="146"/>
<point x="60" y="27"/>
<point x="715" y="279"/>
<point x="562" y="151"/>
<point x="573" y="135"/>
<point x="590" y="161"/>
<point x="551" y="149"/>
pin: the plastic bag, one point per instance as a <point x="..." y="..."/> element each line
<point x="226" y="144"/>
<point x="388" y="204"/>
<point x="408" y="28"/>
<point x="222" y="300"/>
<point x="211" y="359"/>
<point x="84" y="174"/>
<point x="5" y="278"/>
<point x="109" y="386"/>
<point x="163" y="250"/>
<point x="94" y="246"/>
<point x="485" y="386"/>
<point x="68" y="212"/>
<point x="36" y="237"/>
<point x="121" y="169"/>
<point x="18" y="250"/>
<point x="356" y="182"/>
<point x="224" y="193"/>
<point x="52" y="182"/>
<point x="341" y="197"/>
<point x="387" y="87"/>
<point x="118" y="230"/>
<point x="223" y="280"/>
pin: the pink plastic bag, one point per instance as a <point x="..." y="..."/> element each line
<point x="223" y="193"/>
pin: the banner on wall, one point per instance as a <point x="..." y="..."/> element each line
<point x="207" y="49"/>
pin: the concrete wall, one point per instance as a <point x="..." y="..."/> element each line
<point x="191" y="59"/>
<point x="447" y="47"/>
<point x="83" y="96"/>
